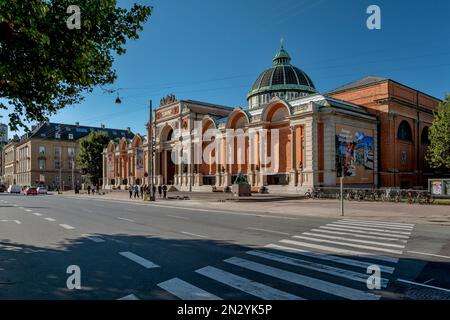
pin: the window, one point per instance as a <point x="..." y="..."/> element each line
<point x="404" y="131"/>
<point x="71" y="152"/>
<point x="71" y="164"/>
<point x="41" y="150"/>
<point x="41" y="164"/>
<point x="57" y="151"/>
<point x="57" y="135"/>
<point x="70" y="136"/>
<point x="424" y="136"/>
<point x="57" y="164"/>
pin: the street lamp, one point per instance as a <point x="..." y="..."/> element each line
<point x="150" y="152"/>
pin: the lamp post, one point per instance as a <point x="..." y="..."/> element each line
<point x="150" y="152"/>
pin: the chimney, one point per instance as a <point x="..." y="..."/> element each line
<point x="103" y="126"/>
<point x="128" y="129"/>
<point x="77" y="124"/>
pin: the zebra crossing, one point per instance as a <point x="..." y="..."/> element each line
<point x="327" y="262"/>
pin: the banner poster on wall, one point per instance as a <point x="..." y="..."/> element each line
<point x="140" y="162"/>
<point x="110" y="161"/>
<point x="355" y="154"/>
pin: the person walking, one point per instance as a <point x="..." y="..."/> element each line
<point x="89" y="190"/>
<point x="135" y="190"/>
<point x="164" y="189"/>
<point x="142" y="191"/>
<point x="130" y="190"/>
<point x="160" y="191"/>
<point x="153" y="191"/>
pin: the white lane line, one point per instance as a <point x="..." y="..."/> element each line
<point x="367" y="229"/>
<point x="66" y="226"/>
<point x="93" y="238"/>
<point x="193" y="234"/>
<point x="358" y="235"/>
<point x="269" y="231"/>
<point x="185" y="290"/>
<point x="366" y="232"/>
<point x="177" y="217"/>
<point x="50" y="219"/>
<point x="28" y="210"/>
<point x="139" y="260"/>
<point x="392" y="245"/>
<point x="337" y="272"/>
<point x="328" y="257"/>
<point x="251" y="287"/>
<point x="339" y="250"/>
<point x="371" y="225"/>
<point x="129" y="297"/>
<point x="16" y="221"/>
<point x="125" y="219"/>
<point x="360" y="246"/>
<point x="423" y="285"/>
<point x="313" y="283"/>
<point x="380" y="222"/>
<point x="429" y="254"/>
<point x="37" y="214"/>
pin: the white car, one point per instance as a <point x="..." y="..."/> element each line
<point x="42" y="190"/>
<point x="14" y="188"/>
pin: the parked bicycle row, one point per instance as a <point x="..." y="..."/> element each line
<point x="361" y="194"/>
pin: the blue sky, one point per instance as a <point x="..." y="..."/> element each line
<point x="213" y="50"/>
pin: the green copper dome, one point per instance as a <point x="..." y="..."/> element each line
<point x="282" y="77"/>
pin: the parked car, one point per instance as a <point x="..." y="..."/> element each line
<point x="42" y="190"/>
<point x="31" y="191"/>
<point x="14" y="188"/>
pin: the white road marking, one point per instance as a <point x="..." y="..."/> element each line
<point x="93" y="238"/>
<point x="358" y="235"/>
<point x="186" y="291"/>
<point x="125" y="219"/>
<point x="328" y="257"/>
<point x="360" y="246"/>
<point x="337" y="272"/>
<point x="366" y="232"/>
<point x="129" y="297"/>
<point x="313" y="283"/>
<point x="423" y="285"/>
<point x="392" y="245"/>
<point x="177" y="217"/>
<point x="251" y="287"/>
<point x="37" y="214"/>
<point x="269" y="231"/>
<point x="380" y="222"/>
<point x="16" y="221"/>
<point x="66" y="226"/>
<point x="429" y="254"/>
<point x="50" y="219"/>
<point x="193" y="234"/>
<point x="372" y="225"/>
<point x="368" y="229"/>
<point x="343" y="251"/>
<point x="139" y="260"/>
<point x="28" y="210"/>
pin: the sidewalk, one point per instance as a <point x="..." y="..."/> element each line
<point x="295" y="206"/>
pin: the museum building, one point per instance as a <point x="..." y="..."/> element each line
<point x="374" y="131"/>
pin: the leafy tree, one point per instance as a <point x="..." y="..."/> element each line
<point x="438" y="152"/>
<point x="89" y="156"/>
<point x="45" y="66"/>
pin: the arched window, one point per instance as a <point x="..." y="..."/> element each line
<point x="424" y="136"/>
<point x="404" y="131"/>
<point x="170" y="135"/>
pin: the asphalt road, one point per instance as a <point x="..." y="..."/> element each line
<point x="158" y="251"/>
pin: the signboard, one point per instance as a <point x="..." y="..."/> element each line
<point x="436" y="187"/>
<point x="355" y="154"/>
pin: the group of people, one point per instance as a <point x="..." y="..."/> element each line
<point x="94" y="189"/>
<point x="137" y="191"/>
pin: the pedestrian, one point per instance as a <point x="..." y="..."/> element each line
<point x="136" y="191"/>
<point x="142" y="191"/>
<point x="153" y="191"/>
<point x="164" y="189"/>
<point x="93" y="190"/>
<point x="89" y="190"/>
<point x="130" y="190"/>
<point x="160" y="191"/>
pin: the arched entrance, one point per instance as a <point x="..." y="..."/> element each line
<point x="168" y="167"/>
